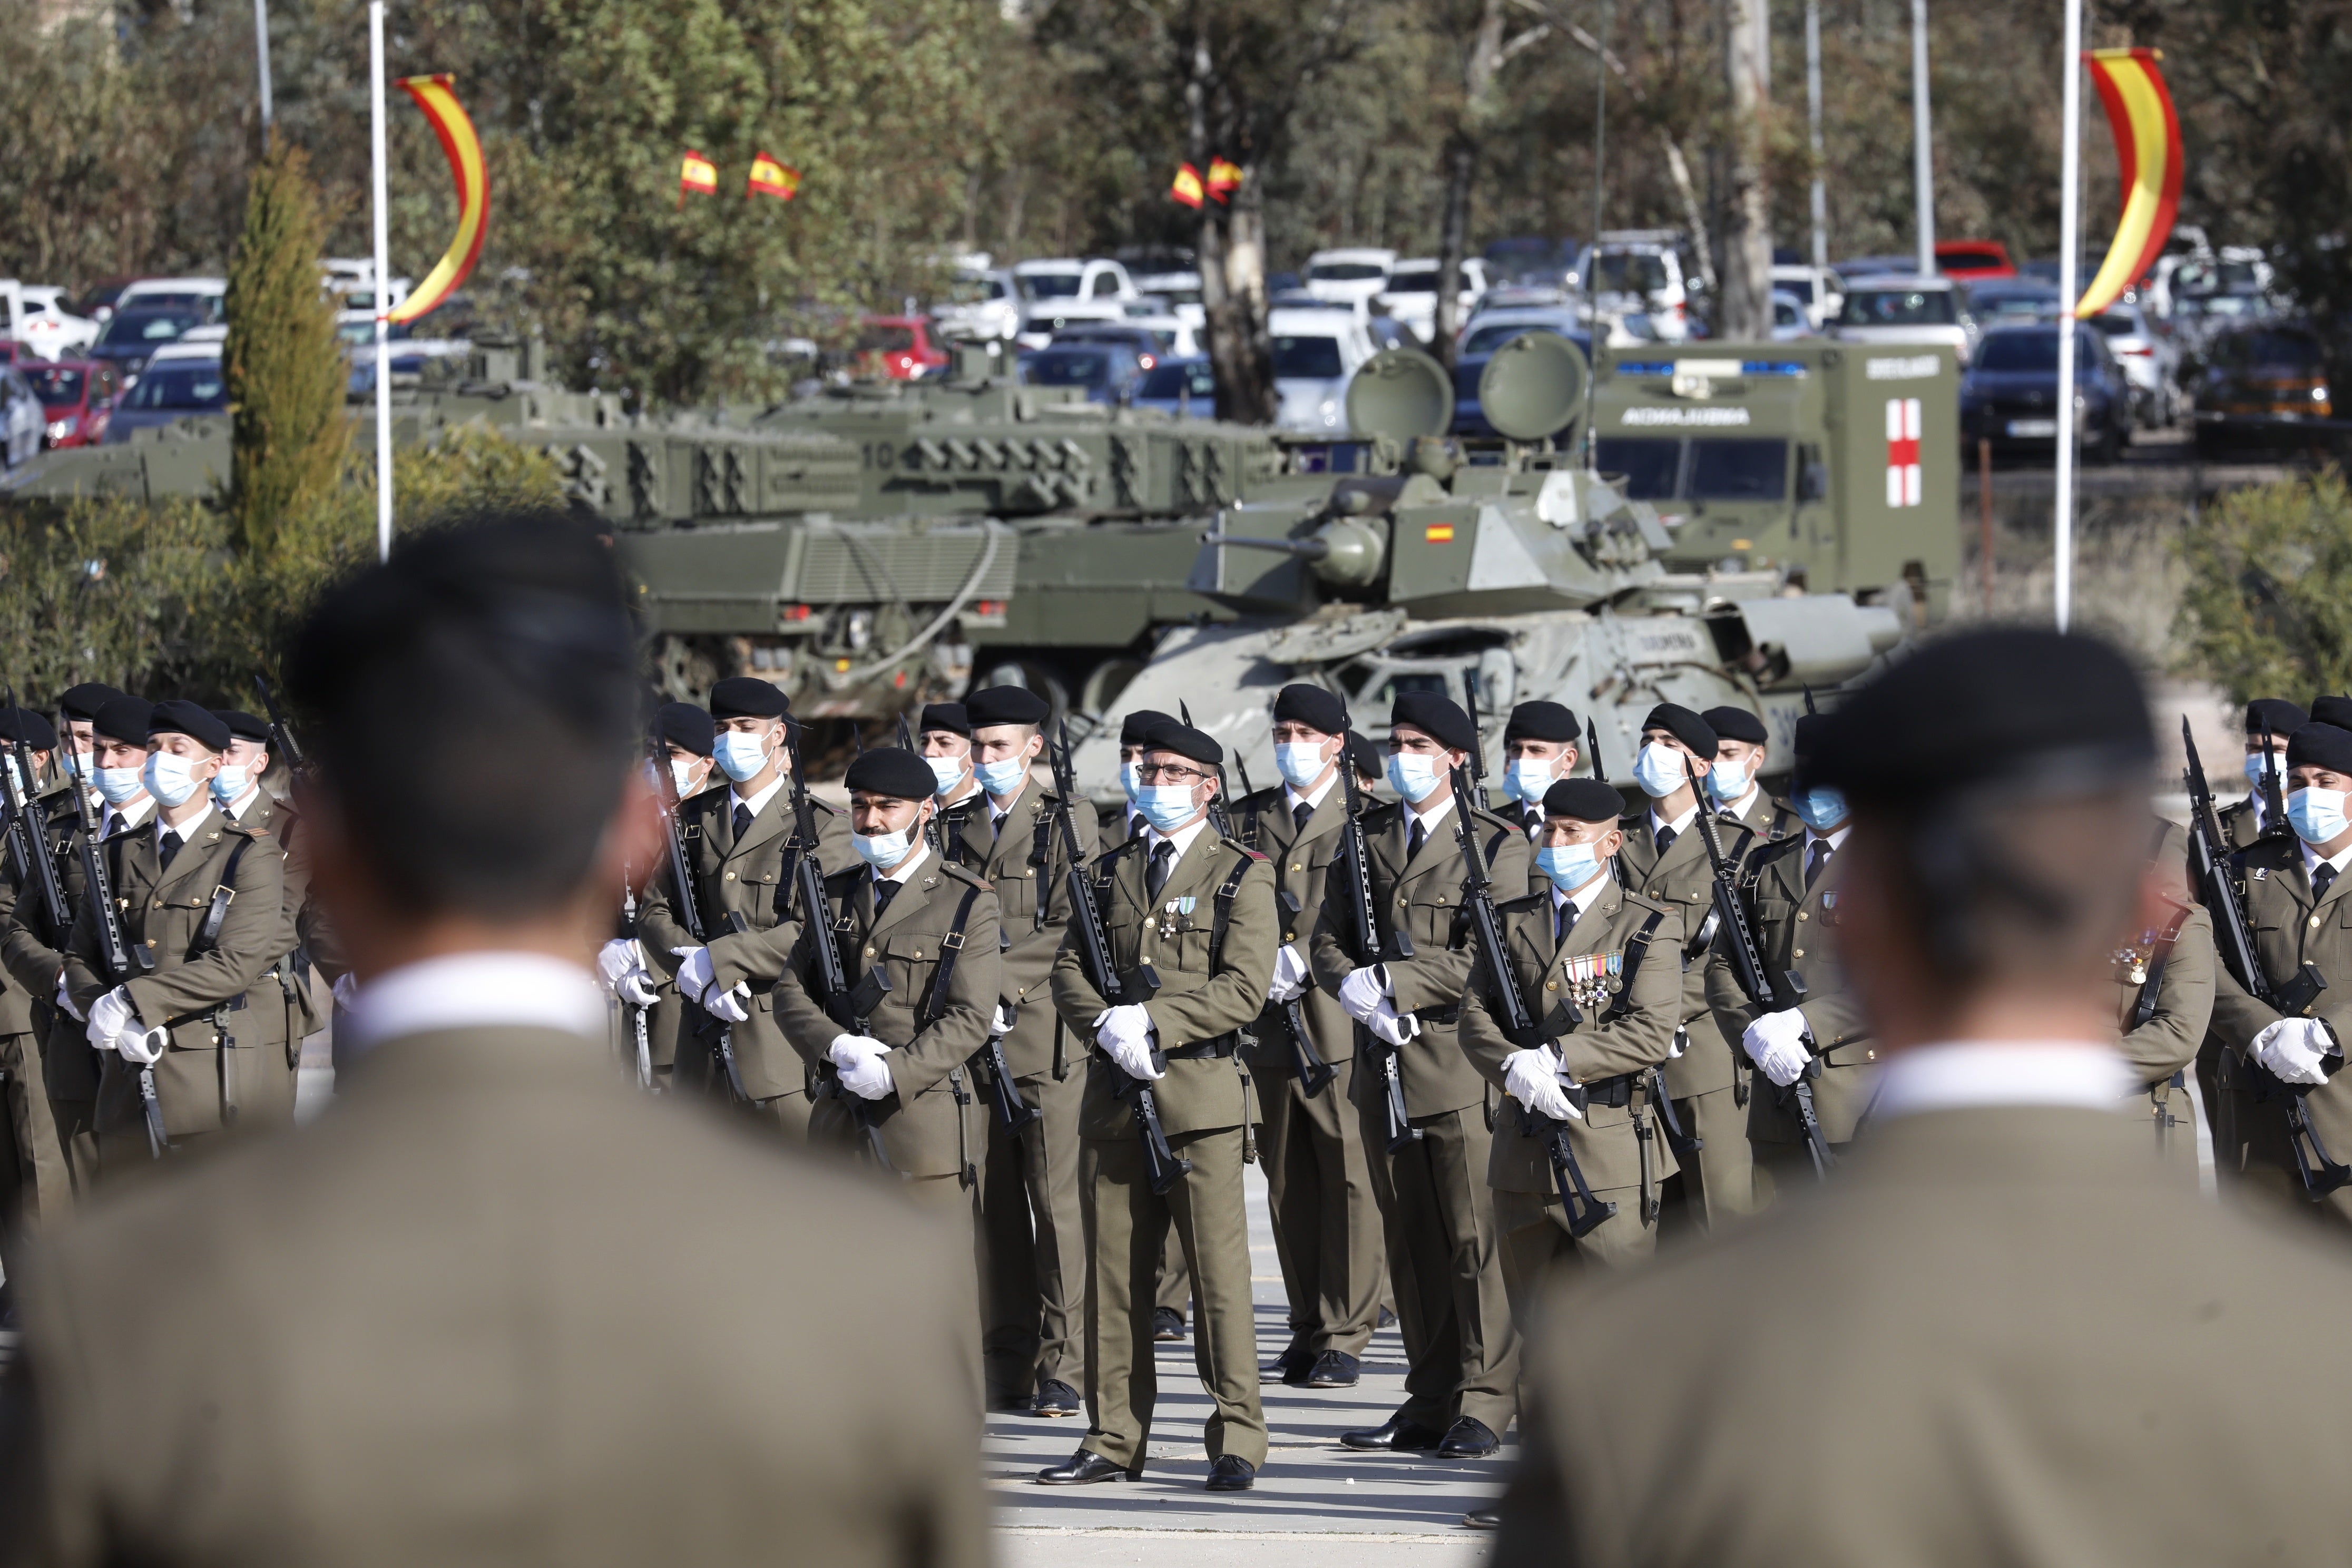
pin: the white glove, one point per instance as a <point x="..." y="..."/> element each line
<point x="2295" y="1049"/>
<point x="620" y="965"/>
<point x="109" y="1015"/>
<point x="1390" y="1027"/>
<point x="66" y="1001"/>
<point x="141" y="1047"/>
<point x="849" y="1048"/>
<point x="1126" y="1033"/>
<point x="1532" y="1078"/>
<point x="868" y="1078"/>
<point x="1362" y="991"/>
<point x="727" y="1006"/>
<point x="694" y="975"/>
<point x="1291" y="975"/>
<point x="346" y="990"/>
<point x="1776" y="1044"/>
<point x="1003" y="1023"/>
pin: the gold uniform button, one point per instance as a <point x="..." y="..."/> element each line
<point x="1551" y="984"/>
<point x="1870" y="1054"/>
<point x="730" y="875"/>
<point x="1800" y="914"/>
<point x="1298" y="868"/>
<point x="1800" y="952"/>
<point x="870" y="952"/>
<point x="2314" y="921"/>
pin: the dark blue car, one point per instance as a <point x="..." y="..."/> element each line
<point x="1107" y="372"/>
<point x="2010" y="394"/>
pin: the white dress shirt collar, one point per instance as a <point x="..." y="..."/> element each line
<point x="1294" y="800"/>
<point x="1681" y="824"/>
<point x="118" y="818"/>
<point x="907" y="868"/>
<point x="475" y="991"/>
<point x="2312" y="857"/>
<point x="1966" y="1074"/>
<point x="1436" y="814"/>
<point x="1182" y="838"/>
<point x="758" y="802"/>
<point x="1836" y="841"/>
<point x="1740" y="807"/>
<point x="187" y="829"/>
<point x="244" y="803"/>
<point x="1584" y="898"/>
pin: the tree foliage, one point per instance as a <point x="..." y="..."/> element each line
<point x="2268" y="606"/>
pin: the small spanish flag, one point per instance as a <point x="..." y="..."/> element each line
<point x="771" y="178"/>
<point x="699" y="175"/>
<point x="1225" y="178"/>
<point x="1187" y="188"/>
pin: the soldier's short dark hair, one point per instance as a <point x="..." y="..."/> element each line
<point x="474" y="704"/>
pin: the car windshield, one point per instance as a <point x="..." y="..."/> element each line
<point x="1802" y="288"/>
<point x="1306" y="358"/>
<point x="1345" y="271"/>
<point x="1069" y="367"/>
<point x="972" y="290"/>
<point x="1968" y="261"/>
<point x="1049" y="285"/>
<point x="1738" y="469"/>
<point x="56" y="384"/>
<point x="874" y="339"/>
<point x="2027" y="351"/>
<point x="2286" y="353"/>
<point x="1897" y="308"/>
<point x="1486" y="339"/>
<point x="1168" y="382"/>
<point x="1630" y="272"/>
<point x="181" y="387"/>
<point x="1421" y="280"/>
<point x="1649" y="464"/>
<point x="133" y="328"/>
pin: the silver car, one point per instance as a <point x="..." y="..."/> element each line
<point x="2151" y="360"/>
<point x="1889" y="308"/>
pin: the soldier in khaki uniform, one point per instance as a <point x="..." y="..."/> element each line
<point x="1910" y="1363"/>
<point x="1538" y="751"/>
<point x="202" y="895"/>
<point x="1665" y="858"/>
<point x="2165" y="979"/>
<point x="2244" y="823"/>
<point x="737" y="846"/>
<point x="1790" y="890"/>
<point x="680" y="737"/>
<point x="34" y="1184"/>
<point x="1442" y="1253"/>
<point x="1327" y="1222"/>
<point x="1033" y="1342"/>
<point x="283" y="1018"/>
<point x="1199" y="908"/>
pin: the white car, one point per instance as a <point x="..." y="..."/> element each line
<point x="206" y="295"/>
<point x="981" y="306"/>
<point x="1896" y="308"/>
<point x="1057" y="293"/>
<point x="1349" y="277"/>
<point x="1178" y="291"/>
<point x="42" y="323"/>
<point x="2150" y="362"/>
<point x="1316" y="353"/>
<point x="1410" y="297"/>
<point x="1790" y="321"/>
<point x="1817" y="289"/>
<point x="1639" y="272"/>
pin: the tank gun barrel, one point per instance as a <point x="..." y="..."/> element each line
<point x="1311" y="549"/>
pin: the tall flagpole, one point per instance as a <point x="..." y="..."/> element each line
<point x="1923" y="145"/>
<point x="2070" y="161"/>
<point x="382" y="289"/>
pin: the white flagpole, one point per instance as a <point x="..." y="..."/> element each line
<point x="2070" y="164"/>
<point x="383" y="291"/>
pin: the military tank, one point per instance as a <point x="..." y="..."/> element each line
<point x="1520" y="576"/>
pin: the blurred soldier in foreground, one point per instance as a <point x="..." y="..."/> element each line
<point x="1944" y="1354"/>
<point x="439" y="1325"/>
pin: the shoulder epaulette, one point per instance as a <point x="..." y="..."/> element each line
<point x="1539" y="896"/>
<point x="1772" y="847"/>
<point x="1643" y="901"/>
<point x="1260" y="798"/>
<point x="962" y="874"/>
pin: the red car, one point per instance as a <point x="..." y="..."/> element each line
<point x="76" y="398"/>
<point x="901" y="346"/>
<point x="1974" y="260"/>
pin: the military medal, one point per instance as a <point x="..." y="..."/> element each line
<point x="1588" y="975"/>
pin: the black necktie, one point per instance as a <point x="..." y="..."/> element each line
<point x="1298" y="815"/>
<point x="1818" y="857"/>
<point x="171" y="846"/>
<point x="1667" y="836"/>
<point x="2323" y="877"/>
<point x="1563" y="921"/>
<point x="1534" y="817"/>
<point x="1415" y="839"/>
<point x="884" y="890"/>
<point x="1136" y="825"/>
<point x="742" y="821"/>
<point x="1163" y="860"/>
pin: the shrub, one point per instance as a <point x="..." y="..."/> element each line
<point x="2267" y="611"/>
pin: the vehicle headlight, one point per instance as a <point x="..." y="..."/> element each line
<point x="58" y="429"/>
<point x="2081" y="401"/>
<point x="2319" y="394"/>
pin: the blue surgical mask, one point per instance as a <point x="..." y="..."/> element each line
<point x="2315" y="815"/>
<point x="1821" y="807"/>
<point x="1726" y="780"/>
<point x="119" y="785"/>
<point x="1300" y="763"/>
<point x="1166" y="806"/>
<point x="2254" y="761"/>
<point x="881" y="850"/>
<point x="229" y="783"/>
<point x="1413" y="776"/>
<point x="949" y="770"/>
<point x="1659" y="770"/>
<point x="1529" y="779"/>
<point x="75" y="763"/>
<point x="740" y="756"/>
<point x="1002" y="778"/>
<point x="166" y="778"/>
<point x="1127" y="781"/>
<point x="1570" y="867"/>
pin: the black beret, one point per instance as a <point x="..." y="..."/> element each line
<point x="1168" y="735"/>
<point x="748" y="697"/>
<point x="1137" y="724"/>
<point x="684" y="724"/>
<point x="2321" y="746"/>
<point x="2335" y="710"/>
<point x="124" y="719"/>
<point x="24" y="725"/>
<point x="1586" y="800"/>
<point x="243" y="725"/>
<point x="1807" y="743"/>
<point x="2284" y="717"/>
<point x="948" y="716"/>
<point x="83" y="702"/>
<point x="894" y="771"/>
<point x="2028" y="708"/>
<point x="172" y="716"/>
<point x="1438" y="718"/>
<point x="1542" y="722"/>
<point x="1737" y="724"/>
<point x="1684" y="725"/>
<point x="1299" y="703"/>
<point x="1006" y="705"/>
<point x="1365" y="757"/>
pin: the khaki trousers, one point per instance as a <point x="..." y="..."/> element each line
<point x="1438" y="1215"/>
<point x="1326" y="1222"/>
<point x="1720" y="1184"/>
<point x="1534" y="1227"/>
<point x="1128" y="1228"/>
<point x="1033" y="1241"/>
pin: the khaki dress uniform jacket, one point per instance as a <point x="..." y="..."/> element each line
<point x="2169" y="974"/>
<point x="34" y="1181"/>
<point x="282" y="1021"/>
<point x="35" y="958"/>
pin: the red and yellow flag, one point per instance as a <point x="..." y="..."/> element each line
<point x="2147" y="144"/>
<point x="1225" y="178"/>
<point x="436" y="97"/>
<point x="699" y="175"/>
<point x="1187" y="188"/>
<point x="771" y="178"/>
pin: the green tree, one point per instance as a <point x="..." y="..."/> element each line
<point x="2268" y="607"/>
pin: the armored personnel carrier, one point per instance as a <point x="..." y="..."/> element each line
<point x="1523" y="576"/>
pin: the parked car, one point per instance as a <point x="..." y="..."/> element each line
<point x="2258" y="384"/>
<point x="900" y="347"/>
<point x="1904" y="309"/>
<point x="2010" y="394"/>
<point x="1181" y="388"/>
<point x="1349" y="277"/>
<point x="1971" y="260"/>
<point x="206" y="295"/>
<point x="1817" y="289"/>
<point x="2150" y="362"/>
<point x="1530" y="259"/>
<point x="97" y="301"/>
<point x="1855" y="267"/>
<point x="981" y="304"/>
<point x="180" y="380"/>
<point x="1316" y="353"/>
<point x="77" y="396"/>
<point x="1170" y="277"/>
<point x="1998" y="301"/>
<point x="1107" y="372"/>
<point x="1790" y="322"/>
<point x="134" y="333"/>
<point x="1410" y="297"/>
<point x="1489" y="334"/>
<point x="1153" y="338"/>
<point x="1056" y="294"/>
<point x="21" y="419"/>
<point x="1639" y="271"/>
<point x="46" y="326"/>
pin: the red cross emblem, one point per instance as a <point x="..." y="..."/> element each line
<point x="1901" y="451"/>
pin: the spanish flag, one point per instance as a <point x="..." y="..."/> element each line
<point x="1225" y="178"/>
<point x="2148" y="145"/>
<point x="1187" y="188"/>
<point x="699" y="175"/>
<point x="770" y="178"/>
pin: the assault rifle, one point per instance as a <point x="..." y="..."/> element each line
<point x="1477" y="740"/>
<point x="1315" y="1073"/>
<point x="2216" y="890"/>
<point x="1777" y="992"/>
<point x="1585" y="1211"/>
<point x="281" y="734"/>
<point x="1371" y="947"/>
<point x="122" y="960"/>
<point x="29" y="839"/>
<point x="1162" y="1167"/>
<point x="850" y="1007"/>
<point x="689" y="911"/>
